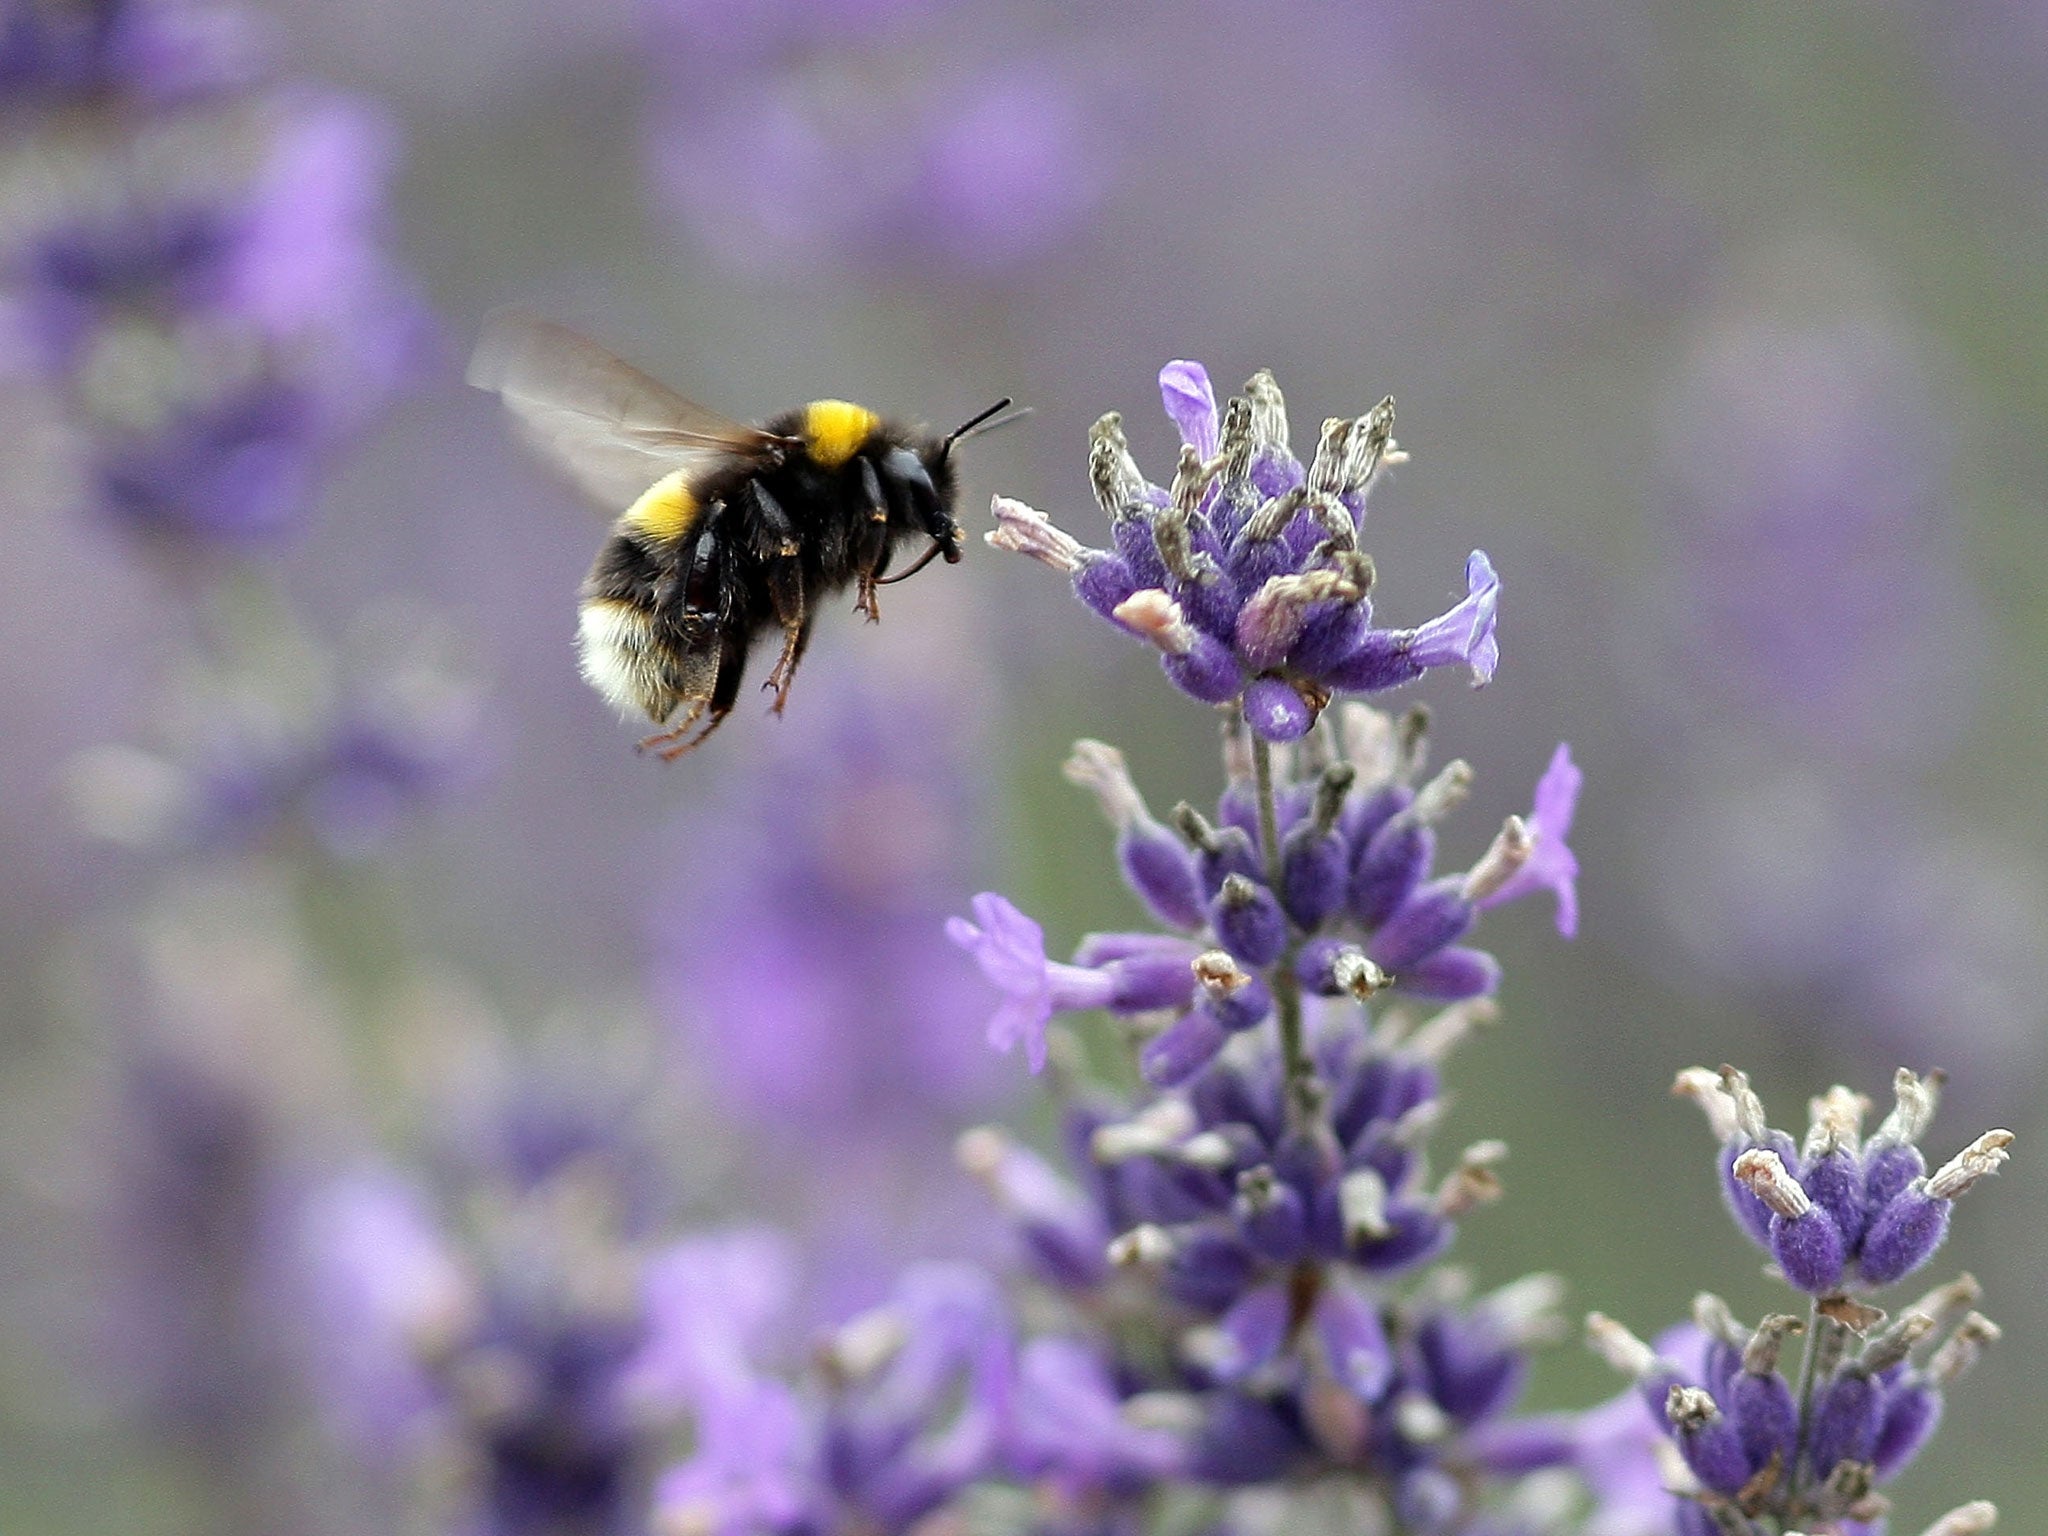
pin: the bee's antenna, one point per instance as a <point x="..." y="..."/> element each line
<point x="975" y="425"/>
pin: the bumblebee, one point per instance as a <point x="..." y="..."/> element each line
<point x="729" y="530"/>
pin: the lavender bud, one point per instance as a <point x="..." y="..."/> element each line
<point x="1104" y="582"/>
<point x="1452" y="975"/>
<point x="1765" y="1415"/>
<point x="1903" y="1236"/>
<point x="1183" y="1048"/>
<point x="1276" y="709"/>
<point x="1431" y="918"/>
<point x="1248" y="921"/>
<point x="1911" y="1411"/>
<point x="1220" y="852"/>
<point x="1709" y="1443"/>
<point x="1207" y="672"/>
<point x="1845" y="1423"/>
<point x="1155" y="864"/>
<point x="1271" y="1215"/>
<point x="1313" y="876"/>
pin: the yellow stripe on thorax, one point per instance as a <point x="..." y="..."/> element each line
<point x="665" y="510"/>
<point x="835" y="430"/>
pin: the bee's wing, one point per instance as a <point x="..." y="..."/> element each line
<point x="608" y="426"/>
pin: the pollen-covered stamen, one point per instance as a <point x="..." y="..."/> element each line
<point x="1948" y="1304"/>
<point x="1528" y="1311"/>
<point x="1834" y="1122"/>
<point x="1269" y="410"/>
<point x="1152" y="615"/>
<point x="1690" y="1407"/>
<point x="1442" y="794"/>
<point x="1098" y="767"/>
<point x="1234" y="449"/>
<point x="1765" y="1175"/>
<point x="1473" y="1182"/>
<point x="1760" y="1357"/>
<point x="1703" y="1087"/>
<point x="1333" y="453"/>
<point x="1153" y="1130"/>
<point x="1510" y="850"/>
<point x="1362" y="1205"/>
<point x="1143" y="1247"/>
<point x="1979" y="1160"/>
<point x="1962" y="1349"/>
<point x="1895" y="1343"/>
<point x="1913" y="1108"/>
<point x="1371" y="445"/>
<point x="1273" y="620"/>
<point x="1448" y="1028"/>
<point x="1173" y="529"/>
<point x="1351" y="971"/>
<point x="1415" y="1126"/>
<point x="1713" y="1316"/>
<point x="1025" y="530"/>
<point x="1120" y="487"/>
<point x="1272" y="518"/>
<point x="1972" y="1519"/>
<point x="1219" y="975"/>
<point x="1191" y="477"/>
<point x="1368" y="741"/>
<point x="1749" y="1109"/>
<point x="1621" y="1349"/>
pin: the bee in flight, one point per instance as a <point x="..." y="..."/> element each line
<point x="729" y="530"/>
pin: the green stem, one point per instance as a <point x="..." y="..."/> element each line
<point x="1807" y="1362"/>
<point x="1303" y="1101"/>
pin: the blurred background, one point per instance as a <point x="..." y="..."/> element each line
<point x="369" y="1005"/>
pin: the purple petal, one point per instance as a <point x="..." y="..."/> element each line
<point x="1552" y="865"/>
<point x="1191" y="402"/>
<point x="1252" y="1333"/>
<point x="1464" y="635"/>
<point x="1354" y="1342"/>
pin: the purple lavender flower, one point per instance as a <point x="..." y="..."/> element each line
<point x="1841" y="1210"/>
<point x="53" y="53"/>
<point x="1246" y="572"/>
<point x="907" y="1410"/>
<point x="823" y="132"/>
<point x="200" y="277"/>
<point x="346" y="752"/>
<point x="1721" y="1395"/>
<point x="515" y="1326"/>
<point x="1354" y="908"/>
<point x="828" y="868"/>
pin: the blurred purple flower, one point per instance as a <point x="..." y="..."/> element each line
<point x="796" y="950"/>
<point x="515" y="1323"/>
<point x="346" y="751"/>
<point x="61" y="52"/>
<point x="875" y="133"/>
<point x="202" y="285"/>
<point x="1813" y="563"/>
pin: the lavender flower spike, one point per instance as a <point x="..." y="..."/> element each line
<point x="1244" y="568"/>
<point x="1551" y="865"/>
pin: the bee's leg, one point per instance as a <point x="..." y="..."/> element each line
<point x="696" y="686"/>
<point x="871" y="544"/>
<point x="793" y="643"/>
<point x="776" y="543"/>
